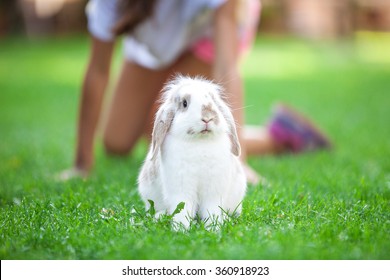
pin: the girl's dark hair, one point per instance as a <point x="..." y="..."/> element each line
<point x="132" y="12"/>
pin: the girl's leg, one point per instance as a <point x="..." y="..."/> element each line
<point x="258" y="141"/>
<point x="129" y="114"/>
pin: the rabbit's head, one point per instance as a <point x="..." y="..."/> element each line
<point x="193" y="108"/>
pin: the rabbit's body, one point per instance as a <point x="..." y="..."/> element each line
<point x="195" y="163"/>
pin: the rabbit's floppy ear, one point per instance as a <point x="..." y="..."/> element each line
<point x="164" y="115"/>
<point x="162" y="123"/>
<point x="236" y="148"/>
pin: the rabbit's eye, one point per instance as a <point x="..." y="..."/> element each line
<point x="183" y="102"/>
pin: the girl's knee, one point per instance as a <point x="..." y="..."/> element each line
<point x="115" y="146"/>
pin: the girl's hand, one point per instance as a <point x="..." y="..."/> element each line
<point x="71" y="173"/>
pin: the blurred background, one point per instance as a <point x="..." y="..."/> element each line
<point x="314" y="19"/>
<point x="329" y="59"/>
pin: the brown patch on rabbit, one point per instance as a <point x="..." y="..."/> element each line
<point x="190" y="131"/>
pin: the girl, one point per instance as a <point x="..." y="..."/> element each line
<point x="162" y="38"/>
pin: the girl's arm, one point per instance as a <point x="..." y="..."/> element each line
<point x="93" y="89"/>
<point x="226" y="72"/>
<point x="226" y="68"/>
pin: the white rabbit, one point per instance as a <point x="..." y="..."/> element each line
<point x="193" y="157"/>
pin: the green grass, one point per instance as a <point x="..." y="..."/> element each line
<point x="327" y="205"/>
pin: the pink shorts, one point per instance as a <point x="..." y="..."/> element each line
<point x="204" y="48"/>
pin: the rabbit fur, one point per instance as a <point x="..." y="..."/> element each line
<point x="194" y="155"/>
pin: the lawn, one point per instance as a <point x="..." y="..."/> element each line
<point x="326" y="205"/>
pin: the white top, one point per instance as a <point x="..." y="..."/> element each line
<point x="158" y="41"/>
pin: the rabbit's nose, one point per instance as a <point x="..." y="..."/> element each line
<point x="207" y="120"/>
